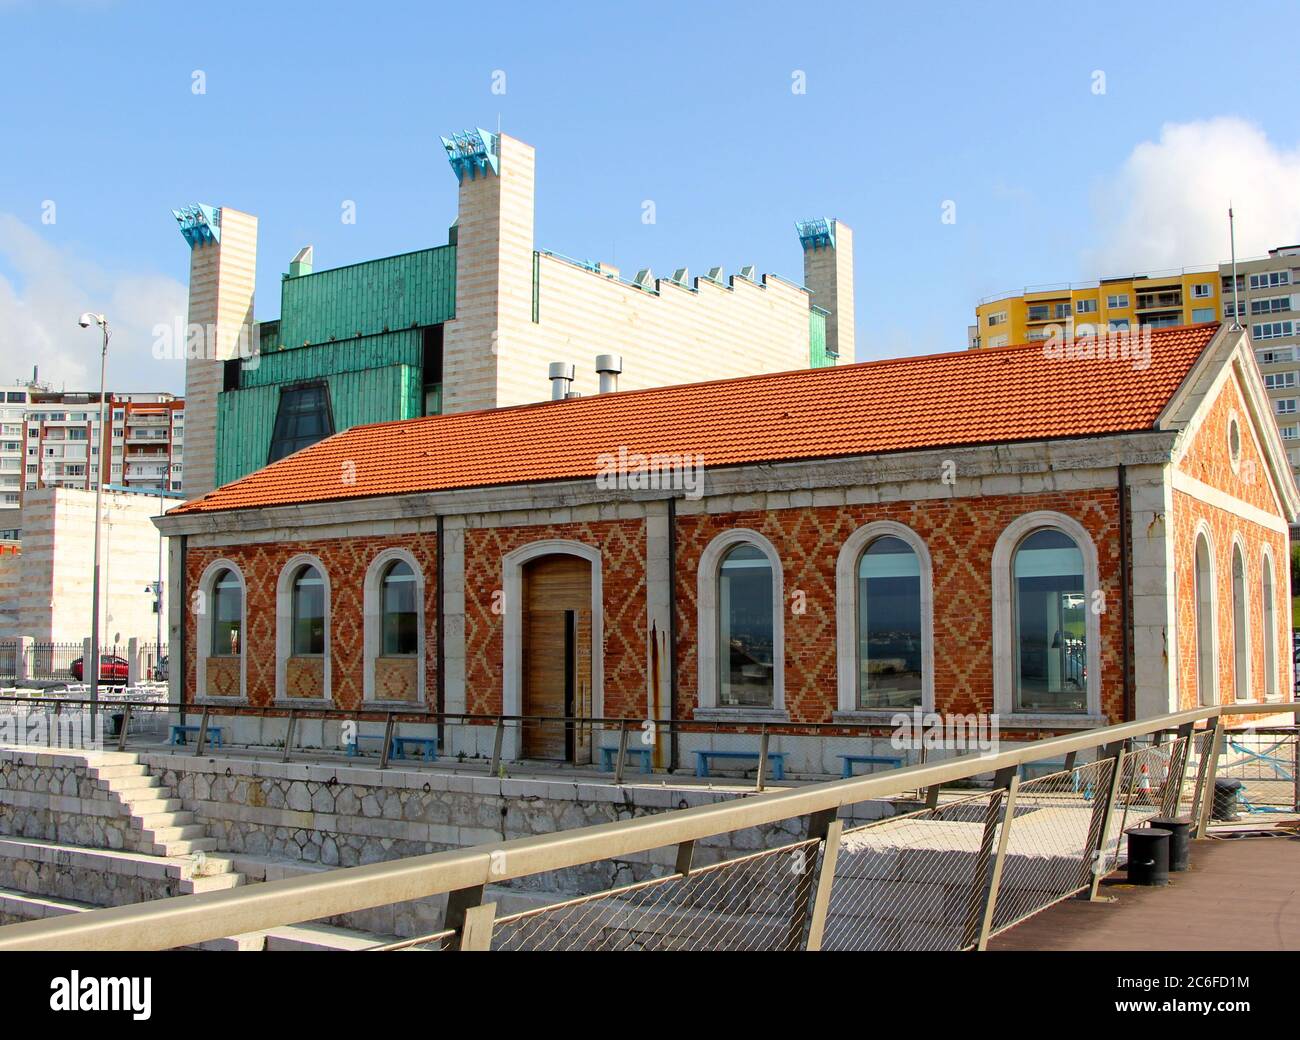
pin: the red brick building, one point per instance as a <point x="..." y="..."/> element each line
<point x="1062" y="538"/>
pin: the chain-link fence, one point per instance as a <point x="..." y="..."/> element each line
<point x="755" y="902"/>
<point x="1266" y="763"/>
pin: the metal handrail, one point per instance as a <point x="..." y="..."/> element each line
<point x="463" y="873"/>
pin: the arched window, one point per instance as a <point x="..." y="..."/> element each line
<point x="220" y="664"/>
<point x="889" y="636"/>
<point x="1204" y="622"/>
<point x="1050" y="611"/>
<point x="308" y="613"/>
<point x="1240" y="638"/>
<point x="746" y="640"/>
<point x="227" y="615"/>
<point x="399" y="622"/>
<point x="1270" y="630"/>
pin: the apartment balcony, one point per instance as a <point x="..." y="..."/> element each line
<point x="1163" y="301"/>
<point x="148" y="420"/>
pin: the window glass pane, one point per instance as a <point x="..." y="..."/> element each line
<point x="1204" y="623"/>
<point x="400" y="628"/>
<point x="889" y="625"/>
<point x="303" y="419"/>
<point x="308" y="613"/>
<point x="1051" y="630"/>
<point x="227" y="606"/>
<point x="1270" y="632"/>
<point x="745" y="629"/>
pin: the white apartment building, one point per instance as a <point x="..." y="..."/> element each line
<point x="50" y="438"/>
<point x="1268" y="298"/>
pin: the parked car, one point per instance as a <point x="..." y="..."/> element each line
<point x="160" y="669"/>
<point x="112" y="669"/>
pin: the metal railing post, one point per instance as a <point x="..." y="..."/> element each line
<point x="1174" y="798"/>
<point x="288" y="733"/>
<point x="999" y="860"/>
<point x="685" y="857"/>
<point x="762" y="758"/>
<point x="497" y="737"/>
<point x="386" y="750"/>
<point x="1094" y="862"/>
<point x="203" y="732"/>
<point x="979" y="888"/>
<point x="819" y="826"/>
<point x="126" y="724"/>
<point x="464" y="917"/>
<point x="1206" y="804"/>
<point x="622" y="752"/>
<point x="476" y="933"/>
<point x="825" y="882"/>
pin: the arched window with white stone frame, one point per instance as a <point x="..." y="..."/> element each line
<point x="221" y="668"/>
<point x="1268" y="604"/>
<point x="741" y="634"/>
<point x="1047" y="607"/>
<point x="394" y="635"/>
<point x="884" y="609"/>
<point x="303" y="668"/>
<point x="1240" y="622"/>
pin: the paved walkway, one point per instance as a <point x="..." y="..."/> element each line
<point x="1241" y="894"/>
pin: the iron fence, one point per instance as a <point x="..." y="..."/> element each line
<point x="8" y="660"/>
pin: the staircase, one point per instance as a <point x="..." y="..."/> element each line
<point x="164" y="852"/>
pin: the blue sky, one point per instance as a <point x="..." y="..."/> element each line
<point x="991" y="106"/>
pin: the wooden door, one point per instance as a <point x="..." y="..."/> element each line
<point x="557" y="661"/>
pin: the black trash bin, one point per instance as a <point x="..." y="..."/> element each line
<point x="1148" y="856"/>
<point x="115" y="724"/>
<point x="1225" y="804"/>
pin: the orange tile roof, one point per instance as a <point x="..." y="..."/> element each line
<point x="967" y="397"/>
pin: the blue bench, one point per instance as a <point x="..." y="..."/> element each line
<point x="893" y="761"/>
<point x="777" y="758"/>
<point x="352" y="748"/>
<point x="178" y="734"/>
<point x="609" y="755"/>
<point x="429" y="744"/>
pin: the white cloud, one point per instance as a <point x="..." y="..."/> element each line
<point x="1168" y="205"/>
<point x="51" y="287"/>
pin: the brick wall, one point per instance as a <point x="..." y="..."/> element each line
<point x="622" y="544"/>
<point x="960" y="534"/>
<point x="346" y="561"/>
<point x="1209" y="460"/>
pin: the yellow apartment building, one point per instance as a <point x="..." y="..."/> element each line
<point x="1183" y="297"/>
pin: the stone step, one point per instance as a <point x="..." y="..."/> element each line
<point x="148" y="806"/>
<point x="153" y="821"/>
<point x="117" y="772"/>
<point x="106" y="877"/>
<point x="18" y="906"/>
<point x="164" y="835"/>
<point x="135" y="785"/>
<point x="214" y="882"/>
<point x="321" y="937"/>
<point x="185" y="847"/>
<point x="244" y="943"/>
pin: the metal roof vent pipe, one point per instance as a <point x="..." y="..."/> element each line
<point x="608" y="367"/>
<point x="561" y="375"/>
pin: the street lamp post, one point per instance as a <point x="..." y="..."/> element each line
<point x="86" y="320"/>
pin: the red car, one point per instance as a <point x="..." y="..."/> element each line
<point x="112" y="669"/>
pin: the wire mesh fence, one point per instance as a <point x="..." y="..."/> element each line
<point x="755" y="902"/>
<point x="910" y="882"/>
<point x="1265" y="762"/>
